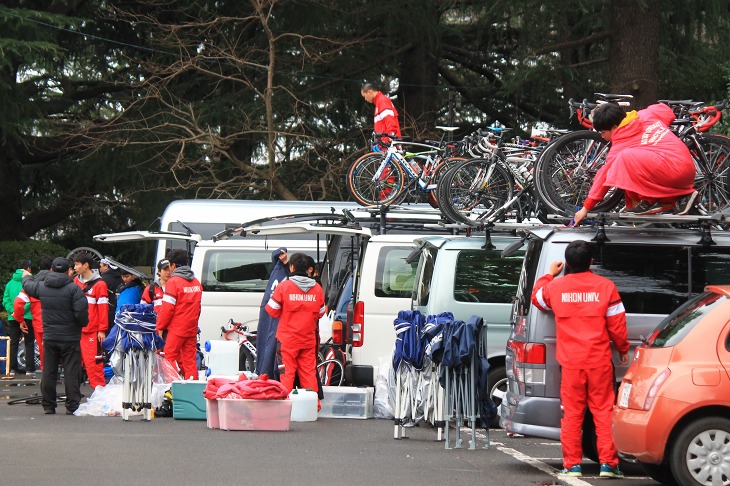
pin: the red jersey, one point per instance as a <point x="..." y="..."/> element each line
<point x="35" y="309"/>
<point x="299" y="303"/>
<point x="386" y="116"/>
<point x="588" y="313"/>
<point x="97" y="296"/>
<point x="180" y="309"/>
<point x="157" y="294"/>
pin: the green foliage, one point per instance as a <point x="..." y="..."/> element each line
<point x="13" y="251"/>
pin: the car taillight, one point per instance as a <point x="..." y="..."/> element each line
<point x="529" y="363"/>
<point x="338" y="336"/>
<point x="658" y="382"/>
<point x="358" y="324"/>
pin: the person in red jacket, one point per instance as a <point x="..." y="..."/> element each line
<point x="588" y="313"/>
<point x="386" y="116"/>
<point x="97" y="296"/>
<point x="153" y="293"/>
<point x="35" y="309"/>
<point x="649" y="162"/>
<point x="298" y="302"/>
<point x="179" y="314"/>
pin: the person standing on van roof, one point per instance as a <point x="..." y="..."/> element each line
<point x="588" y="313"/>
<point x="386" y="117"/>
<point x="649" y="162"/>
<point x="267" y="326"/>
<point x="299" y="303"/>
<point x="179" y="314"/>
<point x="12" y="289"/>
<point x="97" y="296"/>
<point x="153" y="293"/>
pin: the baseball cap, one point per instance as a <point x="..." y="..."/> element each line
<point x="164" y="263"/>
<point x="106" y="261"/>
<point x="60" y="265"/>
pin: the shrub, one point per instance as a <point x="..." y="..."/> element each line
<point x="12" y="251"/>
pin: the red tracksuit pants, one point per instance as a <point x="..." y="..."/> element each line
<point x="300" y="362"/>
<point x="39" y="339"/>
<point x="180" y="351"/>
<point x="89" y="350"/>
<point x="594" y="387"/>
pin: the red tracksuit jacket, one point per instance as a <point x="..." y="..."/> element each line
<point x="35" y="310"/>
<point x="386" y="116"/>
<point x="180" y="309"/>
<point x="588" y="313"/>
<point x="157" y="295"/>
<point x="97" y="297"/>
<point x="299" y="305"/>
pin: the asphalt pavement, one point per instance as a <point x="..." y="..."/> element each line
<point x="45" y="449"/>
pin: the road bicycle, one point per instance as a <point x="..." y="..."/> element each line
<point x="246" y="344"/>
<point x="405" y="169"/>
<point x="485" y="189"/>
<point x="565" y="171"/>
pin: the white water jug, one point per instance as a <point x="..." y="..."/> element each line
<point x="304" y="405"/>
<point x="221" y="358"/>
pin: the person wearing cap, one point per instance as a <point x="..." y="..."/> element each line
<point x="154" y="292"/>
<point x="268" y="325"/>
<point x="65" y="314"/>
<point x="97" y="295"/>
<point x="12" y="289"/>
<point x="179" y="314"/>
<point x="112" y="277"/>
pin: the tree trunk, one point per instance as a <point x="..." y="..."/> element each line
<point x="634" y="55"/>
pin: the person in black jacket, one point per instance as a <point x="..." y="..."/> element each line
<point x="65" y="312"/>
<point x="112" y="276"/>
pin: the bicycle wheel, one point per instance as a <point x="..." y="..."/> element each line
<point x="437" y="175"/>
<point x="85" y="249"/>
<point x="711" y="180"/>
<point x="331" y="372"/>
<point x="368" y="191"/>
<point x="246" y="360"/>
<point x="566" y="170"/>
<point x="474" y="189"/>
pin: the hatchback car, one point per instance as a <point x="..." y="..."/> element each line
<point x="673" y="413"/>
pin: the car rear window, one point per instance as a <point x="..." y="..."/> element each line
<point x="680" y="322"/>
<point x="483" y="276"/>
<point x="394" y="277"/>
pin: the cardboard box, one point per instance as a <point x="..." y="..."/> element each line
<point x="347" y="402"/>
<point x="188" y="402"/>
<point x="238" y="414"/>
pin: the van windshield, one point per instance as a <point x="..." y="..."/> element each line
<point x="680" y="322"/>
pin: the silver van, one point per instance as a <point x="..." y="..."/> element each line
<point x="655" y="270"/>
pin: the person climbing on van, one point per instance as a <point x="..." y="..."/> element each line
<point x="266" y="330"/>
<point x="649" y="162"/>
<point x="298" y="302"/>
<point x="588" y="313"/>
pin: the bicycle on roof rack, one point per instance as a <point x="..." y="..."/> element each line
<point x="406" y="169"/>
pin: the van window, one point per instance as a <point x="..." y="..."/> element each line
<point x="678" y="324"/>
<point x="423" y="288"/>
<point x="484" y="276"/>
<point x="393" y="276"/>
<point x="235" y="270"/>
<point x="655" y="279"/>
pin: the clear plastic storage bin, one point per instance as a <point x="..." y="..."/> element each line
<point x="347" y="402"/>
<point x="240" y="414"/>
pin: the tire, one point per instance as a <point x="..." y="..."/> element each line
<point x="438" y="174"/>
<point x="497" y="383"/>
<point x="95" y="254"/>
<point x="331" y="372"/>
<point x="368" y="192"/>
<point x="566" y="170"/>
<point x="713" y="182"/>
<point x="660" y="473"/>
<point x="464" y="199"/>
<point x="246" y="361"/>
<point x="701" y="452"/>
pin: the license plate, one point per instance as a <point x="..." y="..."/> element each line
<point x="625" y="392"/>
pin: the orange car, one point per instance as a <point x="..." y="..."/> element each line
<point x="673" y="413"/>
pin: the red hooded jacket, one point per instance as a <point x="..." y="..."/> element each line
<point x="645" y="158"/>
<point x="299" y="303"/>
<point x="35" y="310"/>
<point x="97" y="296"/>
<point x="180" y="309"/>
<point x="588" y="313"/>
<point x="386" y="116"/>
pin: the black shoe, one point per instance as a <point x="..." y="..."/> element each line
<point x="639" y="208"/>
<point x="686" y="203"/>
<point x="70" y="412"/>
<point x="49" y="411"/>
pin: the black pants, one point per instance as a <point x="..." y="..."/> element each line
<point x="28" y="339"/>
<point x="68" y="354"/>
